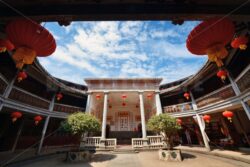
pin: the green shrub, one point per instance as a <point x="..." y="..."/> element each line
<point x="80" y="123"/>
<point x="166" y="125"/>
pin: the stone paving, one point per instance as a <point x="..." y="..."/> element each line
<point x="237" y="155"/>
<point x="142" y="159"/>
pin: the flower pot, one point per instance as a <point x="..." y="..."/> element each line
<point x="79" y="156"/>
<point x="170" y="155"/>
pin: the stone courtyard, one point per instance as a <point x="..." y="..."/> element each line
<point x="142" y="159"/>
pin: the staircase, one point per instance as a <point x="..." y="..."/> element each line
<point x="124" y="149"/>
<point x="123" y="137"/>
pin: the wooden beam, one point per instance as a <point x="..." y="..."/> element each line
<point x="77" y="12"/>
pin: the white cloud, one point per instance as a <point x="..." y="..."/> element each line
<point x="122" y="49"/>
<point x="168" y="50"/>
<point x="164" y="34"/>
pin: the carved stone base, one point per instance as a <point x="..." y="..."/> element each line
<point x="170" y="155"/>
<point x="79" y="156"/>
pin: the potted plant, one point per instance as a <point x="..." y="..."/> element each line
<point x="168" y="127"/>
<point x="79" y="124"/>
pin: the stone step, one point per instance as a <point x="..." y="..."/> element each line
<point x="125" y="151"/>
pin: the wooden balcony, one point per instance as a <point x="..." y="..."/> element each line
<point x="28" y="98"/>
<point x="32" y="100"/>
<point x="216" y="96"/>
<point x="243" y="80"/>
<point x="178" y="108"/>
<point x="213" y="97"/>
<point x="67" y="108"/>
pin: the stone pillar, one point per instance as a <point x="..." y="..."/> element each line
<point x="143" y="122"/>
<point x="158" y="103"/>
<point x="104" y="117"/>
<point x="8" y="89"/>
<point x="203" y="133"/>
<point x="18" y="135"/>
<point x="201" y="125"/>
<point x="10" y="86"/>
<point x="51" y="107"/>
<point x="237" y="92"/>
<point x="46" y="123"/>
<point x="193" y="101"/>
<point x="88" y="104"/>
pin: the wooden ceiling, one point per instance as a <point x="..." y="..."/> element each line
<point x="81" y="10"/>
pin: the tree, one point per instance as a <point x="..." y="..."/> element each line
<point x="80" y="123"/>
<point x="165" y="124"/>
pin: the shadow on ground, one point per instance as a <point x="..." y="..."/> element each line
<point x="102" y="157"/>
<point x="60" y="160"/>
<point x="96" y="158"/>
<point x="187" y="156"/>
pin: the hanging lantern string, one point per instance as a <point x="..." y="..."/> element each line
<point x="17" y="11"/>
<point x="225" y="16"/>
<point x="26" y="17"/>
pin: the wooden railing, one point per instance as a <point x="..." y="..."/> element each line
<point x="178" y="108"/>
<point x="216" y="96"/>
<point x="67" y="108"/>
<point x="3" y="85"/>
<point x="243" y="80"/>
<point x="28" y="98"/>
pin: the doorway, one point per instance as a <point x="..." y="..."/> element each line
<point x="123" y="123"/>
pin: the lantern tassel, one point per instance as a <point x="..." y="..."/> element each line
<point x="19" y="79"/>
<point x="243" y="47"/>
<point x="24" y="55"/>
<point x="14" y="119"/>
<point x="36" y="123"/>
<point x="216" y="53"/>
<point x="223" y="77"/>
<point x="3" y="49"/>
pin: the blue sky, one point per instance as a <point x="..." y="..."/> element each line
<point x="121" y="49"/>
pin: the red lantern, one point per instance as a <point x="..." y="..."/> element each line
<point x="222" y="74"/>
<point x="124" y="96"/>
<point x="207" y="118"/>
<point x="37" y="119"/>
<point x="98" y="96"/>
<point x="22" y="75"/>
<point x="179" y="121"/>
<point x="16" y="115"/>
<point x="210" y="37"/>
<point x="240" y="42"/>
<point x="228" y="115"/>
<point x="30" y="40"/>
<point x="59" y="96"/>
<point x="123" y="104"/>
<point x="149" y="96"/>
<point x="186" y="95"/>
<point x="6" y="45"/>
